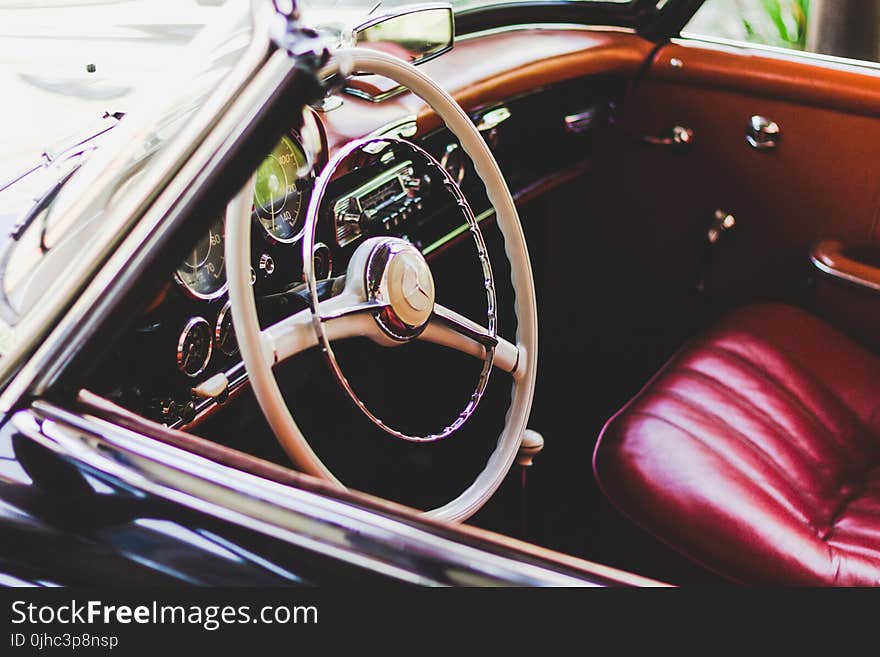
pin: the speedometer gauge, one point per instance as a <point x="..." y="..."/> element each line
<point x="278" y="191"/>
<point x="203" y="273"/>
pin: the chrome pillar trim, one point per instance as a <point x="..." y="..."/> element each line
<point x="398" y="547"/>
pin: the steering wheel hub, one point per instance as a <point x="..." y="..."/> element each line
<point x="398" y="277"/>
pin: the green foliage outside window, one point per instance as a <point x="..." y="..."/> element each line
<point x="781" y="23"/>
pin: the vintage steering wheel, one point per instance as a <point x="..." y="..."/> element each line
<point x="389" y="297"/>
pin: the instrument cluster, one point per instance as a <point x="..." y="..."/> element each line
<point x="281" y="190"/>
<point x="384" y="190"/>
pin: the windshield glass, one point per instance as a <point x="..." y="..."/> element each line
<point x="48" y="244"/>
<point x="67" y="63"/>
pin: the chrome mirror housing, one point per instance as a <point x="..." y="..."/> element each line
<point x="414" y="34"/>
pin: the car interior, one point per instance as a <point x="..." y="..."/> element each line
<point x="702" y="229"/>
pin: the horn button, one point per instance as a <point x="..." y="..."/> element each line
<point x="398" y="276"/>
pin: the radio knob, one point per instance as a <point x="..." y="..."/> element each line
<point x="413" y="184"/>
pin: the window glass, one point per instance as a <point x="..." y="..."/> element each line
<point x="843" y="28"/>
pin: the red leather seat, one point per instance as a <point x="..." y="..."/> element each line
<point x="756" y="453"/>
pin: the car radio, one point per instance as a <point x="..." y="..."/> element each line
<point x="380" y="204"/>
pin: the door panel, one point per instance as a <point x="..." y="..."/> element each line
<point x="819" y="183"/>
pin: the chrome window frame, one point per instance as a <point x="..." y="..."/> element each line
<point x="421" y="552"/>
<point x="816" y="59"/>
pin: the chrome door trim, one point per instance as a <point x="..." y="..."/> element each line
<point x="306" y="519"/>
<point x="802" y="56"/>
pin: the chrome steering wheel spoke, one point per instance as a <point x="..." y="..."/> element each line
<point x="343" y="316"/>
<point x="451" y="329"/>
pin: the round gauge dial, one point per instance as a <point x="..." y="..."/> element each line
<point x="323" y="260"/>
<point x="278" y="191"/>
<point x="194" y="347"/>
<point x="224" y="332"/>
<point x="203" y="273"/>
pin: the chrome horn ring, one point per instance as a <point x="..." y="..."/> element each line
<point x="398" y="281"/>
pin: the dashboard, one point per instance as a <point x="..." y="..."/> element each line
<point x="184" y="347"/>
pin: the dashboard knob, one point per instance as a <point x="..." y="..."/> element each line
<point x="413" y="184"/>
<point x="168" y="411"/>
<point x="267" y="265"/>
<point x="188" y="412"/>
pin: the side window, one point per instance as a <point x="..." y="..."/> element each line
<point x="843" y="28"/>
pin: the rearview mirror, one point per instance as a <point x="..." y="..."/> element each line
<point x="416" y="34"/>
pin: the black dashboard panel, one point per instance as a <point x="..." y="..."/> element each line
<point x="187" y="339"/>
<point x="541" y="137"/>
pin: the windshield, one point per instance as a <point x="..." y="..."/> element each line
<point x="134" y="75"/>
<point x="67" y="63"/>
<point x="73" y="226"/>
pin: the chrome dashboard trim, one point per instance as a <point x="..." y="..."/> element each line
<point x="452" y="148"/>
<point x="196" y="296"/>
<point x="237" y="378"/>
<point x="378" y="98"/>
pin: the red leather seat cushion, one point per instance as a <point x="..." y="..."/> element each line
<point x="755" y="452"/>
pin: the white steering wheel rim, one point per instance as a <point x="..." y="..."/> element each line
<point x="243" y="306"/>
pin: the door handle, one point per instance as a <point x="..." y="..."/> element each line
<point x="762" y="134"/>
<point x="680" y="138"/>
